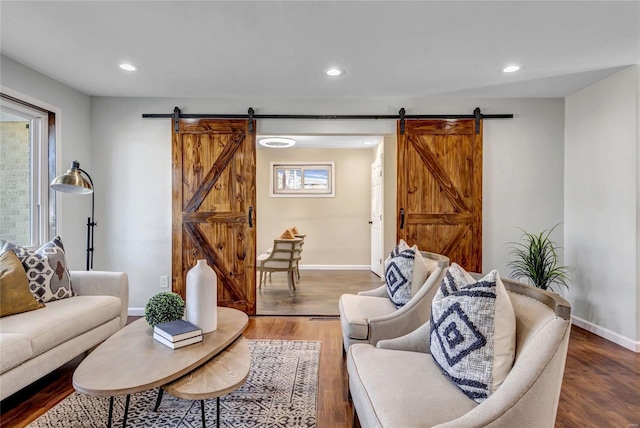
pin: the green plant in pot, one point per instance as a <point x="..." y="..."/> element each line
<point x="535" y="259"/>
<point x="164" y="307"/>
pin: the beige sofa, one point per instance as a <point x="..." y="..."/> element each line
<point x="397" y="383"/>
<point x="32" y="344"/>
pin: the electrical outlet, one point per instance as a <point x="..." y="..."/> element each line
<point x="164" y="281"/>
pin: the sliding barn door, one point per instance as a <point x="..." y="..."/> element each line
<point x="440" y="188"/>
<point x="214" y="193"/>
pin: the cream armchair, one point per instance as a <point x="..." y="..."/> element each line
<point x="398" y="384"/>
<point x="370" y="316"/>
<point x="283" y="257"/>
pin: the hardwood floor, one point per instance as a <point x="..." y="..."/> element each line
<point x="601" y="386"/>
<point x="317" y="292"/>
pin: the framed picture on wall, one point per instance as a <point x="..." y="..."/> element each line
<point x="302" y="179"/>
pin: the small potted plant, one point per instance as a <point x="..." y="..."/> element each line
<point x="535" y="259"/>
<point x="164" y="307"/>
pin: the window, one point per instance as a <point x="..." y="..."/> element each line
<point x="24" y="172"/>
<point x="304" y="179"/>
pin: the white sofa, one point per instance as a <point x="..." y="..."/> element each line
<point x="397" y="383"/>
<point x="33" y="344"/>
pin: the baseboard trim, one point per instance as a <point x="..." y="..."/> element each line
<point x="136" y="312"/>
<point x="335" y="267"/>
<point x="607" y="334"/>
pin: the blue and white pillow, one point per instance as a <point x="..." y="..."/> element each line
<point x="473" y="332"/>
<point x="398" y="273"/>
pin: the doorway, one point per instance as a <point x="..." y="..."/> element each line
<point x="338" y="242"/>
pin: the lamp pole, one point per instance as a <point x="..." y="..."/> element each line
<point x="90" y="224"/>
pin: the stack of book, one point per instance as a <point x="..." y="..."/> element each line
<point x="176" y="334"/>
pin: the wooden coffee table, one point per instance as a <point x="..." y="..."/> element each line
<point x="131" y="361"/>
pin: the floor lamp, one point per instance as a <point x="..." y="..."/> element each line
<point x="73" y="182"/>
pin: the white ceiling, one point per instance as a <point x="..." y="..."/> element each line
<point x="279" y="49"/>
<point x="328" y="141"/>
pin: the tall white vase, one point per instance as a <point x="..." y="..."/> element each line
<point x="202" y="297"/>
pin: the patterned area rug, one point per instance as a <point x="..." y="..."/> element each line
<point x="281" y="392"/>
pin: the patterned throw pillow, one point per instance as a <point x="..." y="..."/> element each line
<point x="46" y="269"/>
<point x="398" y="273"/>
<point x="15" y="297"/>
<point x="473" y="332"/>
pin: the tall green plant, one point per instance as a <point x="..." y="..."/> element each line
<point x="535" y="259"/>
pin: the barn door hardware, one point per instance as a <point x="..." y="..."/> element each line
<point x="176" y="120"/>
<point x="251" y="111"/>
<point x="250" y="115"/>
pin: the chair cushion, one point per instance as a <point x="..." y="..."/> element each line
<point x="46" y="269"/>
<point x="15" y="349"/>
<point x="15" y="296"/>
<point x="402" y="389"/>
<point x="473" y="331"/>
<point x="356" y="311"/>
<point x="422" y="268"/>
<point x="61" y="320"/>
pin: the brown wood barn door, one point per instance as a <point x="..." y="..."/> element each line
<point x="214" y="175"/>
<point x="440" y="189"/>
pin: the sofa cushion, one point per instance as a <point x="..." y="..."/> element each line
<point x="402" y="389"/>
<point x="61" y="320"/>
<point x="356" y="311"/>
<point x="15" y="296"/>
<point x="46" y="269"/>
<point x="473" y="331"/>
<point x="15" y="349"/>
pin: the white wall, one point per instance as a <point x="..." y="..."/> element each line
<point x="73" y="121"/>
<point x="601" y="196"/>
<point x="132" y="160"/>
<point x="337" y="229"/>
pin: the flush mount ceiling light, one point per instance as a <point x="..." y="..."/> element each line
<point x="128" y="67"/>
<point x="334" y="72"/>
<point x="276" y="142"/>
<point x="511" y="69"/>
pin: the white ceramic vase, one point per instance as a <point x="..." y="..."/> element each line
<point x="202" y="297"/>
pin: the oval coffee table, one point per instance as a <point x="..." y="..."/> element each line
<point x="132" y="361"/>
<point x="221" y="375"/>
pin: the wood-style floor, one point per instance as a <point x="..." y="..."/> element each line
<point x="601" y="386"/>
<point x="317" y="292"/>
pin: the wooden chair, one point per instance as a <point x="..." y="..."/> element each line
<point x="302" y="236"/>
<point x="284" y="257"/>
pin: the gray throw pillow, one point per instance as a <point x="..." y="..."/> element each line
<point x="473" y="332"/>
<point x="398" y="273"/>
<point x="46" y="269"/>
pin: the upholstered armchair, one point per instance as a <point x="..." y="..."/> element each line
<point x="283" y="257"/>
<point x="371" y="316"/>
<point x="397" y="383"/>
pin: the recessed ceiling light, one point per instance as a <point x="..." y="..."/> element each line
<point x="367" y="143"/>
<point x="511" y="69"/>
<point x="128" y="67"/>
<point x="276" y="142"/>
<point x="334" y="71"/>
